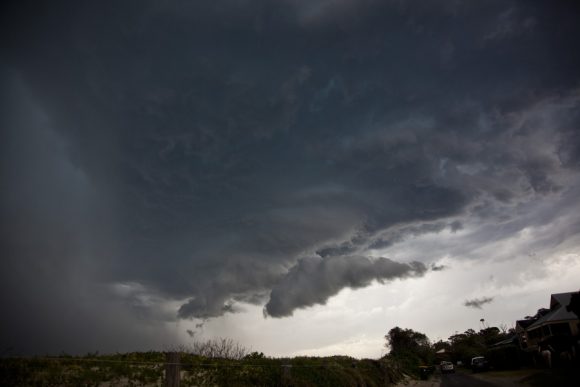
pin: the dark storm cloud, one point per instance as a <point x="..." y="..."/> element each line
<point x="478" y="303"/>
<point x="395" y="235"/>
<point x="198" y="150"/>
<point x="314" y="280"/>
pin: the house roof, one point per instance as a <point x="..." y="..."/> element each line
<point x="526" y="323"/>
<point x="558" y="312"/>
<point x="508" y="341"/>
<point x="560" y="299"/>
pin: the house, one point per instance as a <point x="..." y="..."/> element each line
<point x="520" y="330"/>
<point x="505" y="354"/>
<point x="559" y="326"/>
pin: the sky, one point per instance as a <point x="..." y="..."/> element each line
<point x="300" y="176"/>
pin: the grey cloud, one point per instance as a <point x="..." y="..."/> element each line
<point x="538" y="172"/>
<point x="314" y="280"/>
<point x="478" y="303"/>
<point x="206" y="307"/>
<point x="398" y="234"/>
<point x="511" y="23"/>
<point x="456" y="226"/>
<point x="569" y="150"/>
<point x="435" y="267"/>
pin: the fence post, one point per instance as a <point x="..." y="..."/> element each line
<point x="172" y="369"/>
<point x="286" y="376"/>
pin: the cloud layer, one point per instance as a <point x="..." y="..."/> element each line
<point x="179" y="160"/>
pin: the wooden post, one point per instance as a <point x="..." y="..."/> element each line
<point x="172" y="369"/>
<point x="286" y="375"/>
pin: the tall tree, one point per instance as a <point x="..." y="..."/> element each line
<point x="404" y="340"/>
<point x="410" y="348"/>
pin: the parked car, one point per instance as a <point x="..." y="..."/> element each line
<point x="479" y="363"/>
<point x="446" y="367"/>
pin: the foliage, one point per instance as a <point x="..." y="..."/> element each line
<point x="255" y="356"/>
<point x="120" y="369"/>
<point x="147" y="369"/>
<point x="222" y="348"/>
<point x="409" y="349"/>
<point x="404" y="340"/>
<point x="438" y="345"/>
<point x="466" y="345"/>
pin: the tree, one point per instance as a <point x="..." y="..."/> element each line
<point x="409" y="347"/>
<point x="405" y="340"/>
<point x="466" y="345"/>
<point x="491" y="335"/>
<point x="438" y="345"/>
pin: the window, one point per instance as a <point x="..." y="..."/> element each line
<point x="562" y="329"/>
<point x="546" y="331"/>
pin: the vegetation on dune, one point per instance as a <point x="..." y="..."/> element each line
<point x="221" y="365"/>
<point x="134" y="369"/>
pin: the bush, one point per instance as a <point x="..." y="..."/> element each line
<point x="220" y="348"/>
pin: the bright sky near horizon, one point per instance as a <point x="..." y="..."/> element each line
<point x="298" y="175"/>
